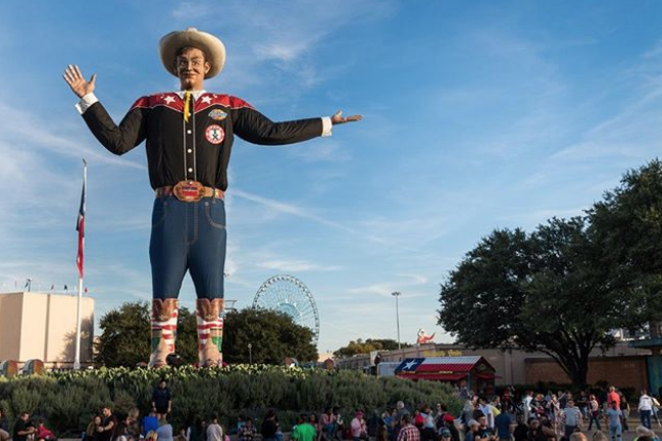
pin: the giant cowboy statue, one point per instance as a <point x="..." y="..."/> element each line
<point x="189" y="136"/>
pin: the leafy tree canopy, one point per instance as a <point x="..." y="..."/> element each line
<point x="125" y="337"/>
<point x="563" y="288"/>
<point x="272" y="336"/>
<point x="365" y="347"/>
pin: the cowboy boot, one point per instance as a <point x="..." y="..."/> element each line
<point x="164" y="330"/>
<point x="210" y="332"/>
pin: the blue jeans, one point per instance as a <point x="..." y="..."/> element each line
<point x="592" y="417"/>
<point x="645" y="416"/>
<point x="569" y="430"/>
<point x="188" y="236"/>
<point x="615" y="432"/>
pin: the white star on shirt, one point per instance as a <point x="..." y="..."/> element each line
<point x="169" y="99"/>
<point x="206" y="99"/>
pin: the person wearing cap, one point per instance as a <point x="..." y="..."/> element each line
<point x="358" y="426"/>
<point x="449" y="423"/>
<point x="189" y="135"/>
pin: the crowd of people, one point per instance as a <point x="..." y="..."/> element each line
<point x="499" y="417"/>
<point x="556" y="417"/>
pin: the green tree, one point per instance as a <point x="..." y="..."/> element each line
<point x="186" y="345"/>
<point x="125" y="336"/>
<point x="365" y="347"/>
<point x="628" y="223"/>
<point x="548" y="291"/>
<point x="569" y="305"/>
<point x="272" y="336"/>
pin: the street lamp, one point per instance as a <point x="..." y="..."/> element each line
<point x="397" y="294"/>
<point x="250" y="353"/>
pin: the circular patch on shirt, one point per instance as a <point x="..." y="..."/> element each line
<point x="215" y="134"/>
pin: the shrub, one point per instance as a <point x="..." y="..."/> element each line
<point x="68" y="400"/>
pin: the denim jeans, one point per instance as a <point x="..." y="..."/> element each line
<point x="188" y="236"/>
<point x="645" y="416"/>
<point x="569" y="430"/>
<point x="615" y="432"/>
<point x="592" y="417"/>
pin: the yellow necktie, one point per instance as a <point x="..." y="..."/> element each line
<point x="187" y="103"/>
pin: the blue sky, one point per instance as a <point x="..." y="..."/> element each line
<point x="478" y="115"/>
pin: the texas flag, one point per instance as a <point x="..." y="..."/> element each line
<point x="410" y="364"/>
<point x="80" y="227"/>
<point x="445" y="368"/>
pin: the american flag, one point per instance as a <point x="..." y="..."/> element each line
<point x="80" y="227"/>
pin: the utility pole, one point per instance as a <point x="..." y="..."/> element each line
<point x="397" y="294"/>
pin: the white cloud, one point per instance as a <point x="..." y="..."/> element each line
<point x="296" y="266"/>
<point x="541" y="216"/>
<point x="327" y="151"/>
<point x="190" y="11"/>
<point x="415" y="279"/>
<point x="290" y="209"/>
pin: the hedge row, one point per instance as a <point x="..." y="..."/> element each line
<point x="68" y="400"/>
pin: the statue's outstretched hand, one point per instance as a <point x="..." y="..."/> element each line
<point x="337" y="118"/>
<point x="76" y="81"/>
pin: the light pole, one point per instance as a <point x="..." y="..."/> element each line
<point x="397" y="294"/>
<point x="250" y="353"/>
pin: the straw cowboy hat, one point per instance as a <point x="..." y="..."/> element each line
<point x="191" y="37"/>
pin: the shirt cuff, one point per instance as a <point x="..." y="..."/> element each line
<point x="85" y="102"/>
<point x="327" y="126"/>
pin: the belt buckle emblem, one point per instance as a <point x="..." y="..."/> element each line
<point x="188" y="191"/>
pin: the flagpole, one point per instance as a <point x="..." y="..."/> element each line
<point x="80" y="276"/>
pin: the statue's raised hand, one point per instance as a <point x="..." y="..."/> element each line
<point x="337" y="118"/>
<point x="75" y="80"/>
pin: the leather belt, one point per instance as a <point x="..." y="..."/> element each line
<point x="190" y="191"/>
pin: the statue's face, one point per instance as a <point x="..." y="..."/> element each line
<point x="192" y="67"/>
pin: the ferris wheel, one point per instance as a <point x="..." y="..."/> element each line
<point x="289" y="295"/>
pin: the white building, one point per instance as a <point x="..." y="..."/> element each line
<point x="43" y="326"/>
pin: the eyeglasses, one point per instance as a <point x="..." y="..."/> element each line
<point x="184" y="62"/>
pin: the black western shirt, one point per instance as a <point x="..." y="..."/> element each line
<point x="198" y="149"/>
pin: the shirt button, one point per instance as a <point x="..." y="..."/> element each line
<point x="190" y="170"/>
<point x="189" y="131"/>
<point x="189" y="151"/>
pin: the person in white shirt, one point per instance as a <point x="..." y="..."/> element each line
<point x="214" y="430"/>
<point x="645" y="409"/>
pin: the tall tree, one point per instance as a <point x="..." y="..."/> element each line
<point x="628" y="223"/>
<point x="483" y="297"/>
<point x="569" y="308"/>
<point x="548" y="291"/>
<point x="273" y="336"/>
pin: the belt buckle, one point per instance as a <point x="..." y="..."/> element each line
<point x="188" y="191"/>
